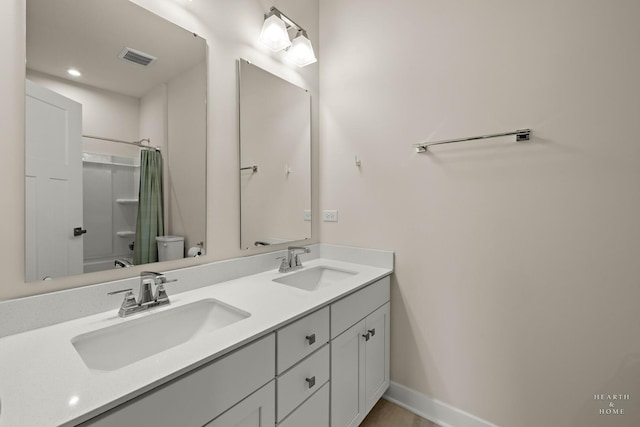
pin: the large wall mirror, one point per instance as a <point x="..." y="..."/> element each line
<point x="275" y="159"/>
<point x="115" y="137"/>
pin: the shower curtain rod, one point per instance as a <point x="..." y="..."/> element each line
<point x="136" y="143"/>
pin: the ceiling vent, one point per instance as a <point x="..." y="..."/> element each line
<point x="137" y="57"/>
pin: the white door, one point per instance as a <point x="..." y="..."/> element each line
<point x="257" y="410"/>
<point x="377" y="355"/>
<point x="347" y="377"/>
<point x="53" y="184"/>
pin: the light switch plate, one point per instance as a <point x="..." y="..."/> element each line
<point x="330" y="216"/>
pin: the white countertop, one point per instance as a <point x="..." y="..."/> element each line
<point x="44" y="382"/>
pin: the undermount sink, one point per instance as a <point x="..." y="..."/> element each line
<point x="120" y="345"/>
<point x="315" y="278"/>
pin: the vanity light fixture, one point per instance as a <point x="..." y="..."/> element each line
<point x="274" y="31"/>
<point x="301" y="51"/>
<point x="74" y="72"/>
<point x="275" y="35"/>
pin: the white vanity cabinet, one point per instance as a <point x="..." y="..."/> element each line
<point x="327" y="368"/>
<point x="359" y="353"/>
<point x="203" y="394"/>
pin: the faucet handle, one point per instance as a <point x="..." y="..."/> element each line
<point x="161" y="293"/>
<point x="284" y="264"/>
<point x="161" y="280"/>
<point x="128" y="302"/>
<point x="120" y="291"/>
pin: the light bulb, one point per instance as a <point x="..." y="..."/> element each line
<point x="301" y="52"/>
<point x="274" y="34"/>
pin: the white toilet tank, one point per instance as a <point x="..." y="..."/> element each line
<point x="170" y="247"/>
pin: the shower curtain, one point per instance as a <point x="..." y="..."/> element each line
<point x="149" y="223"/>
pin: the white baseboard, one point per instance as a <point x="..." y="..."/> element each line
<point x="434" y="410"/>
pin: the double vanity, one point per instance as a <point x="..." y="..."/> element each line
<point x="309" y="347"/>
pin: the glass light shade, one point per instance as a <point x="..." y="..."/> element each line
<point x="301" y="52"/>
<point x="274" y="34"/>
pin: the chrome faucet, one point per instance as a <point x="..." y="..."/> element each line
<point x="146" y="298"/>
<point x="292" y="261"/>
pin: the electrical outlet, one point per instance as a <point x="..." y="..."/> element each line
<point x="330" y="216"/>
<point x="307" y="215"/>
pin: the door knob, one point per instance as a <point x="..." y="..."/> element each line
<point x="79" y="231"/>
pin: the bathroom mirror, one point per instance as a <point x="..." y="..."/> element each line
<point x="275" y="159"/>
<point x="101" y="75"/>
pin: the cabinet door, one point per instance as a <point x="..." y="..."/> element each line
<point x="376" y="377"/>
<point x="200" y="395"/>
<point x="347" y="377"/>
<point x="257" y="410"/>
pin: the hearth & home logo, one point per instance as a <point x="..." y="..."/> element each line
<point x="615" y="403"/>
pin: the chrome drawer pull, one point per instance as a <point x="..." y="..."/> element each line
<point x="366" y="336"/>
<point x="311" y="338"/>
<point x="311" y="381"/>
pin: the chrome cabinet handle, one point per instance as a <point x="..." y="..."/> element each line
<point x="366" y="336"/>
<point x="311" y="381"/>
<point x="311" y="338"/>
<point x="372" y="331"/>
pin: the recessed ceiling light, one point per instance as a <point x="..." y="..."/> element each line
<point x="74" y="72"/>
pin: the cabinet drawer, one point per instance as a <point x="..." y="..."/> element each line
<point x="312" y="413"/>
<point x="200" y="395"/>
<point x="350" y="310"/>
<point x="301" y="381"/>
<point x="302" y="338"/>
